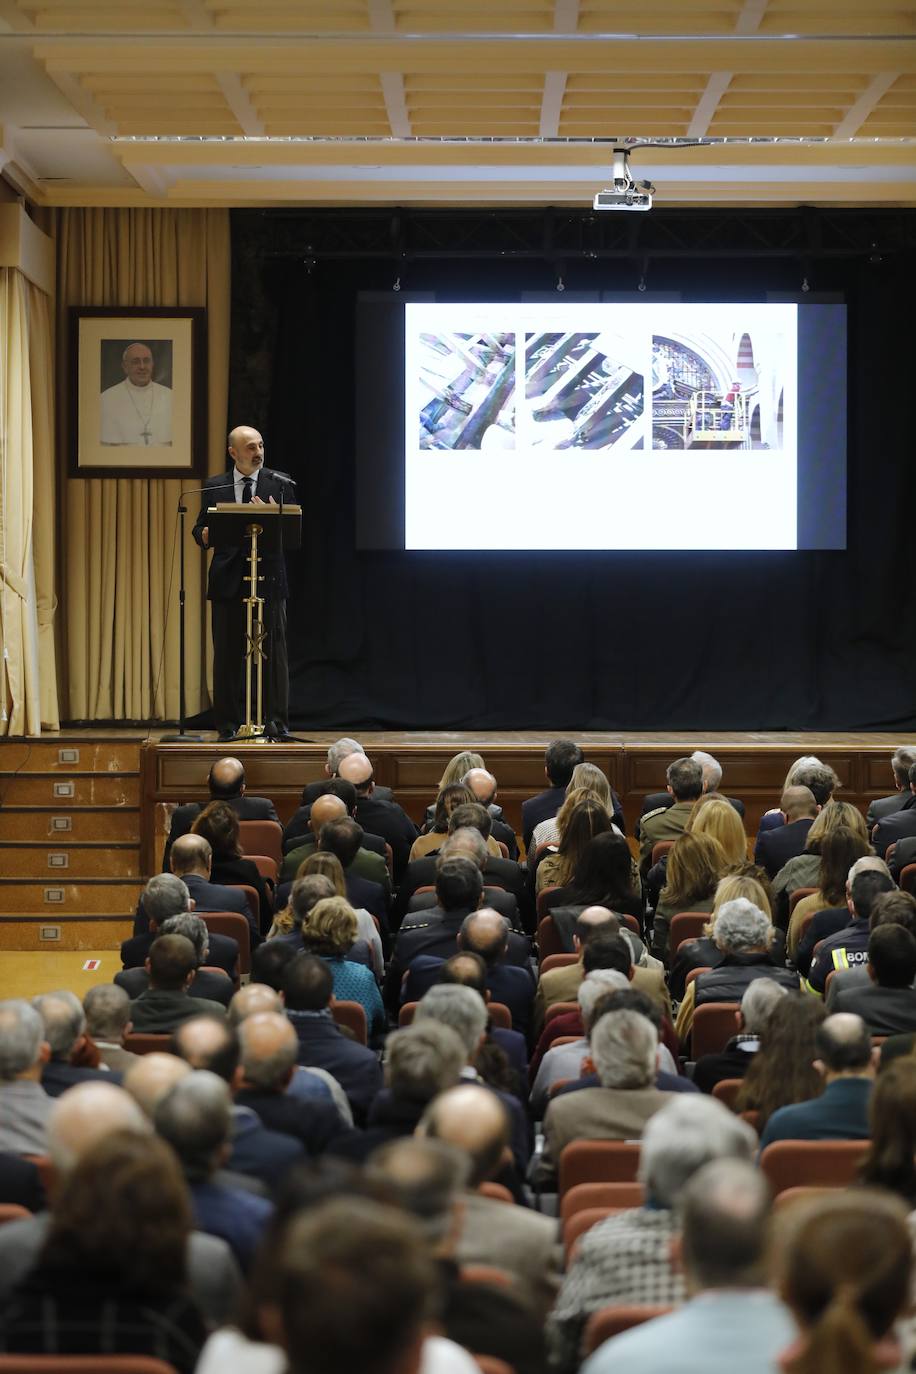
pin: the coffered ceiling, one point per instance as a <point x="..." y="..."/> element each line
<point x="343" y="102"/>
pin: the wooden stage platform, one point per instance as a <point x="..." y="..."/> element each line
<point x="83" y="812"/>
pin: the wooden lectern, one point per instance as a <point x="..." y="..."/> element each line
<point x="266" y="529"/>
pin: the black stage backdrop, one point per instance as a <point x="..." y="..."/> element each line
<point x="561" y="641"/>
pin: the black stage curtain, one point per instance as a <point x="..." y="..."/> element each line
<point x="470" y="641"/>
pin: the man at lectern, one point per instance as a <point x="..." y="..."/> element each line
<point x="246" y="481"/>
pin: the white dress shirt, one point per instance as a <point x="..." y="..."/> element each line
<point x="239" y="479"/>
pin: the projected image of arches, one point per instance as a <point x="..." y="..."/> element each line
<point x="715" y="390"/>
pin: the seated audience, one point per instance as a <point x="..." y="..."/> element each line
<point x="581" y="817"/>
<point x="83" y="1120"/>
<point x="782" y="1070"/>
<point x="521" y="1242"/>
<point x="713" y="815"/>
<point x="891" y="1159"/>
<point x="111" y="1275"/>
<point x="483" y="788"/>
<point x="459" y="887"/>
<point x="269" y="1047"/>
<point x="830" y="922"/>
<point x="748" y="881"/>
<point x="560" y="758"/>
<point x="496" y="871"/>
<point x="25" y="1107"/>
<point x="696" y="862"/>
<point x="485" y="933"/>
<point x="887" y="1004"/>
<point x="255" y="1151"/>
<point x="436" y="827"/>
<point x="337" y="833"/>
<point x="502" y="1059"/>
<point x="607" y="876"/>
<point x="667" y="1077"/>
<point x="326" y="879"/>
<point x="329" y="930"/>
<point x="743" y="936"/>
<point x="152" y="1077"/>
<point x="844" y="1269"/>
<point x="586" y="777"/>
<point x="761" y="999"/>
<point x="308" y="986"/>
<point x="624" y="1048"/>
<point x="839" y="851"/>
<point x="712" y="776"/>
<point x="377" y="815"/>
<point x="848" y="947"/>
<point x="561" y="984"/>
<point x="808" y="771"/>
<point x="172" y="966"/>
<point x="219" y="825"/>
<point x="887" y="907"/>
<point x="225" y="783"/>
<point x="72" y="1053"/>
<point x="107" y="1010"/>
<point x="846" y="1064"/>
<point x="211" y="984"/>
<point x="564" y="1063"/>
<point x="685" y="783"/>
<point x="191" y="861"/>
<point x="902" y="759"/>
<point x="804" y="869"/>
<point x="163" y="897"/>
<point x="421" y="1061"/>
<point x="732" y="1321"/>
<point x="629" y="1258"/>
<point x="337" y="752"/>
<point x="900" y="825"/>
<point x="195" y="1118"/>
<point x="775" y="847"/>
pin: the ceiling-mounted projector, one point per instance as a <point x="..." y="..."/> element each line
<point x="625" y="194"/>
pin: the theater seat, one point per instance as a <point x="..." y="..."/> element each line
<point x="812" y="1163"/>
<point x="908" y="878"/>
<point x="796" y="896"/>
<point x="613" y="1321"/>
<point x="489" y="1364"/>
<point x="137" y="1042"/>
<point x="686" y="925"/>
<point x="659" y="849"/>
<point x="597" y="1161"/>
<point x="558" y="961"/>
<point x="262" y="837"/>
<point x="714" y="1024"/>
<point x="497" y="1192"/>
<point x="586" y="1195"/>
<point x="11" y="1211"/>
<point x="353" y="1016"/>
<point x="265" y="864"/>
<point x="232" y="924"/>
<point x="500" y="1015"/>
<point x="727" y="1090"/>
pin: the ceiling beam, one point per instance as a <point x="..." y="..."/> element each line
<point x="198" y="16"/>
<point x="239" y="102"/>
<point x="857" y="114"/>
<point x="750" y="16"/>
<point x="381" y="16"/>
<point x="708" y="103"/>
<point x="153" y="180"/>
<point x="566" y="16"/>
<point x="552" y="104"/>
<point x="82" y="100"/>
<point x="396" y="103"/>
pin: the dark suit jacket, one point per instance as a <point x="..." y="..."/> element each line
<point x="884" y="806"/>
<point x="224" y="951"/>
<point x="497" y="873"/>
<point x="258" y="1152"/>
<point x="885" y="1011"/>
<point x="507" y="983"/>
<point x="213" y="987"/>
<point x="246" y="808"/>
<point x="361" y="892"/>
<point x="158" y="1013"/>
<point x="20" y="1183"/>
<point x="57" y="1077"/>
<point x="313" y="790"/>
<point x="825" y="922"/>
<point x="213" y="897"/>
<point x="732" y="1062"/>
<point x="387" y="819"/>
<point x="226" y="570"/>
<point x="496" y="897"/>
<point x="898" y="826"/>
<point x="314" y="1123"/>
<point x="840" y="1113"/>
<point x="774" y="848"/>
<point x="435" y="932"/>
<point x="904" y="854"/>
<point x="540" y="808"/>
<point x="323" y="1045"/>
<point x="296" y="833"/>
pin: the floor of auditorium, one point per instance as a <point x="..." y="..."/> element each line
<point x="26" y="973"/>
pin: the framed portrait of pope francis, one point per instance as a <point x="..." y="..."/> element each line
<point x="138" y="391"/>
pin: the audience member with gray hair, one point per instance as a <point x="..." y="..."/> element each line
<point x="472" y="1119"/>
<point x="65" y="1032"/>
<point x="195" y="1117"/>
<point x="421" y="1061"/>
<point x="269" y="1049"/>
<point x="306" y="893"/>
<point x="628" y="1259"/>
<point x="563" y="1062"/>
<point x="624" y="1045"/>
<point x="743" y="934"/>
<point x="732" y="1321"/>
<point x="760" y="1001"/>
<point x="209" y="984"/>
<point x="107" y="1010"/>
<point x="25" y="1107"/>
<point x="429" y="1177"/>
<point x="165" y="896"/>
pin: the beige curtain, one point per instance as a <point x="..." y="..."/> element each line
<point x="120" y="553"/>
<point x="28" y="682"/>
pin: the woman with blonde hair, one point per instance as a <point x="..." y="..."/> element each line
<point x="448" y="800"/>
<point x="844" y="1267"/>
<point x="458" y="766"/>
<point x="746" y="881"/>
<point x="716" y="817"/>
<point x="804" y="869"/>
<point x="696" y="862"/>
<point x="580" y="819"/>
<point x="586" y="777"/>
<point x="330" y="930"/>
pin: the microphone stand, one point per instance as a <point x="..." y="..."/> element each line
<point x="183" y="737"/>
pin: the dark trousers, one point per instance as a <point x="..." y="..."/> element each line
<point x="228" y="619"/>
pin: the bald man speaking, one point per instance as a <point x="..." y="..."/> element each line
<point x="247" y="481"/>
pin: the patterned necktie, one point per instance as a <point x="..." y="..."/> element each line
<point x="246" y="490"/>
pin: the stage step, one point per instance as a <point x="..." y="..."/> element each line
<point x="37" y="824"/>
<point x="59" y="793"/>
<point x="51" y="899"/>
<point x="101" y="932"/>
<point x="67" y="756"/>
<point x="58" y="862"/>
